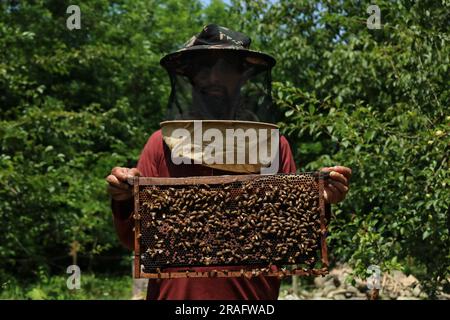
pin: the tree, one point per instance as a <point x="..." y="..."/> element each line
<point x="73" y="105"/>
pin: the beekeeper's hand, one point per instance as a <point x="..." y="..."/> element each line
<point x="118" y="187"/>
<point x="337" y="186"/>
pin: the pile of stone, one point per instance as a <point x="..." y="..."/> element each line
<point x="335" y="286"/>
<point x="330" y="287"/>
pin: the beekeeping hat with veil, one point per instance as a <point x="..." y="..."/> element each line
<point x="215" y="76"/>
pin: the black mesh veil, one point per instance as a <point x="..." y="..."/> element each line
<point x="221" y="85"/>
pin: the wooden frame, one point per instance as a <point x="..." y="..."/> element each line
<point x="248" y="272"/>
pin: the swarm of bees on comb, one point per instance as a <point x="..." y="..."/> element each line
<point x="274" y="221"/>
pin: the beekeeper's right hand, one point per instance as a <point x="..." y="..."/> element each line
<point x="118" y="187"/>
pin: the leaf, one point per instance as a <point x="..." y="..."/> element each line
<point x="426" y="234"/>
<point x="289" y="113"/>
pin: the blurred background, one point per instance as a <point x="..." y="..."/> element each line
<point x="75" y="103"/>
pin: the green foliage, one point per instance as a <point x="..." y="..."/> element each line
<point x="73" y="105"/>
<point x="92" y="287"/>
<point x="76" y="103"/>
<point x="376" y="101"/>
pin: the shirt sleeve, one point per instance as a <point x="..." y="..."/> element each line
<point x="151" y="156"/>
<point x="124" y="222"/>
<point x="123" y="210"/>
<point x="287" y="163"/>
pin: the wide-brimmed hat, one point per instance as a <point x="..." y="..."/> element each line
<point x="214" y="37"/>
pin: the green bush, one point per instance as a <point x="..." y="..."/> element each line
<point x="376" y="101"/>
<point x="74" y="104"/>
<point x="92" y="287"/>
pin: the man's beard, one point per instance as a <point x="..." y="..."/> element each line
<point x="212" y="103"/>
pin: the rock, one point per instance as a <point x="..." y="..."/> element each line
<point x="349" y="294"/>
<point x="417" y="290"/>
<point x="329" y="279"/>
<point x="423" y="295"/>
<point x="331" y="294"/>
<point x="393" y="295"/>
<point x="405" y="293"/>
<point x="291" y="297"/>
<point x="306" y="293"/>
<point x="362" y="287"/>
<point x="328" y="288"/>
<point x="409" y="281"/>
<point x="397" y="275"/>
<point x="317" y="295"/>
<point x="396" y="285"/>
<point x="341" y="271"/>
<point x="405" y="282"/>
<point x="358" y="298"/>
<point x="407" y="298"/>
<point x="442" y="296"/>
<point x="336" y="282"/>
<point x="352" y="289"/>
<point x="319" y="282"/>
<point x="384" y="297"/>
<point x="320" y="298"/>
<point x="283" y="293"/>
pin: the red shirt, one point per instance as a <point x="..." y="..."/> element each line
<point x="155" y="161"/>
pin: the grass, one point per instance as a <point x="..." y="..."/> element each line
<point x="92" y="287"/>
